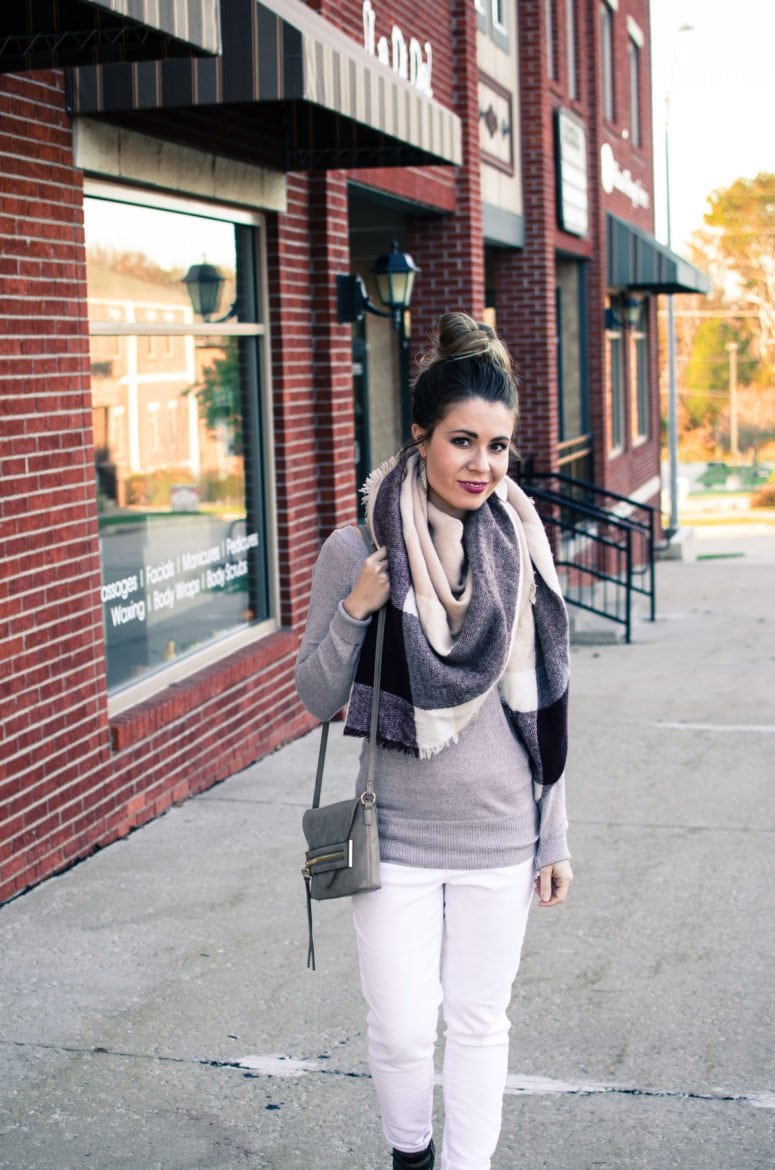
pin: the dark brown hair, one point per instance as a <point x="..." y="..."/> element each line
<point x="467" y="360"/>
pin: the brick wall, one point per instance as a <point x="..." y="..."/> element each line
<point x="290" y="303"/>
<point x="332" y="353"/>
<point x="637" y="464"/>
<point x="524" y="281"/>
<point x="589" y="44"/>
<point x="53" y="747"/>
<point x="71" y="779"/>
<point x="449" y="251"/>
<point x="636" y="159"/>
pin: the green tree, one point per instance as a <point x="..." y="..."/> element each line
<point x="708" y="368"/>
<point x="739" y="247"/>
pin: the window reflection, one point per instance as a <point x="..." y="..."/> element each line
<point x="175" y="417"/>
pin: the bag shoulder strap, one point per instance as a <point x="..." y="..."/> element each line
<point x="364" y="531"/>
<point x="375" y="689"/>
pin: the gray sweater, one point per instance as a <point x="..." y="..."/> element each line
<point x="471" y="806"/>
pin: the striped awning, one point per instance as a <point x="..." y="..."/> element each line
<point x="288" y="89"/>
<point x="50" y="34"/>
<point x="637" y="260"/>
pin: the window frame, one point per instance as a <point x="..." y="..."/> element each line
<point x="492" y="18"/>
<point x="259" y="458"/>
<point x="615" y="380"/>
<point x="639" y="378"/>
<point x="635" y="43"/>
<point x="499" y="15"/>
<point x="571" y="41"/>
<point x="607" y="55"/>
<point x="550" y="17"/>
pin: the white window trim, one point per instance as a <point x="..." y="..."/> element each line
<point x="125" y="156"/>
<point x="187" y="665"/>
<point x="635" y="32"/>
<point x="638" y="437"/>
<point x="614" y="450"/>
<point x="163" y="201"/>
<point x="496" y="23"/>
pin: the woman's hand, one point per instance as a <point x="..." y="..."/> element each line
<point x="372" y="589"/>
<point x="553" y="883"/>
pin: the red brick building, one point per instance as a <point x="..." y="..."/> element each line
<point x="170" y="467"/>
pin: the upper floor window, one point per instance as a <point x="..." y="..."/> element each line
<point x="551" y="60"/>
<point x="499" y="18"/>
<point x="493" y="18"/>
<point x="570" y="37"/>
<point x="607" y="58"/>
<point x="178" y="425"/>
<point x="634" y="46"/>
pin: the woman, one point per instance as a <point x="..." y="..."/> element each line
<point x="472" y="734"/>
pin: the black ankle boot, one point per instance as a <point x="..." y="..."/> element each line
<point x="422" y="1160"/>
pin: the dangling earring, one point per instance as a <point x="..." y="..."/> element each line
<point x="423" y="473"/>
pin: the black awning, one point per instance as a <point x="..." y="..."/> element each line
<point x="54" y="34"/>
<point x="287" y="73"/>
<point x="637" y="260"/>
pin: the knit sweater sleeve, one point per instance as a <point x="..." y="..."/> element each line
<point x="553" y="826"/>
<point x="332" y="641"/>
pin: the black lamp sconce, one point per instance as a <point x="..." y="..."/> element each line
<point x="626" y="312"/>
<point x="394" y="273"/>
<point x="204" y="285"/>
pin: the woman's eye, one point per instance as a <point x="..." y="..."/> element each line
<point x="498" y="447"/>
<point x="460" y="441"/>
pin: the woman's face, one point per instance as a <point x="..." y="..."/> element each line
<point x="467" y="454"/>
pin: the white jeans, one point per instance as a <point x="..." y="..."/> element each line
<point x="478" y="919"/>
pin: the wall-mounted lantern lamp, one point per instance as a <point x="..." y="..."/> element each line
<point x="625" y="311"/>
<point x="394" y="273"/>
<point x="204" y="285"/>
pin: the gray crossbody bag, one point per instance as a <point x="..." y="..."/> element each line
<point x="342" y="856"/>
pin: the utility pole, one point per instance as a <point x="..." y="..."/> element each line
<point x="734" y="445"/>
<point x="672" y="392"/>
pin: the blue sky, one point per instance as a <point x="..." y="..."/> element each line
<point x="722" y="101"/>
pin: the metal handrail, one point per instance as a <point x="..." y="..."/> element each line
<point x="623" y="546"/>
<point x="595" y="490"/>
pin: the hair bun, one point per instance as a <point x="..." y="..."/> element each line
<point x="466" y="360"/>
<point x="460" y="336"/>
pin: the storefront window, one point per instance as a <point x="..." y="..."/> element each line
<point x="615" y="379"/>
<point x="571" y="360"/>
<point x="177" y="430"/>
<point x="639" y="376"/>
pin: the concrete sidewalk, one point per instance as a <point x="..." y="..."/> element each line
<point x="156" y="1012"/>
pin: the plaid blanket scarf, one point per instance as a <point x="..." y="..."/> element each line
<point x="512" y="630"/>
